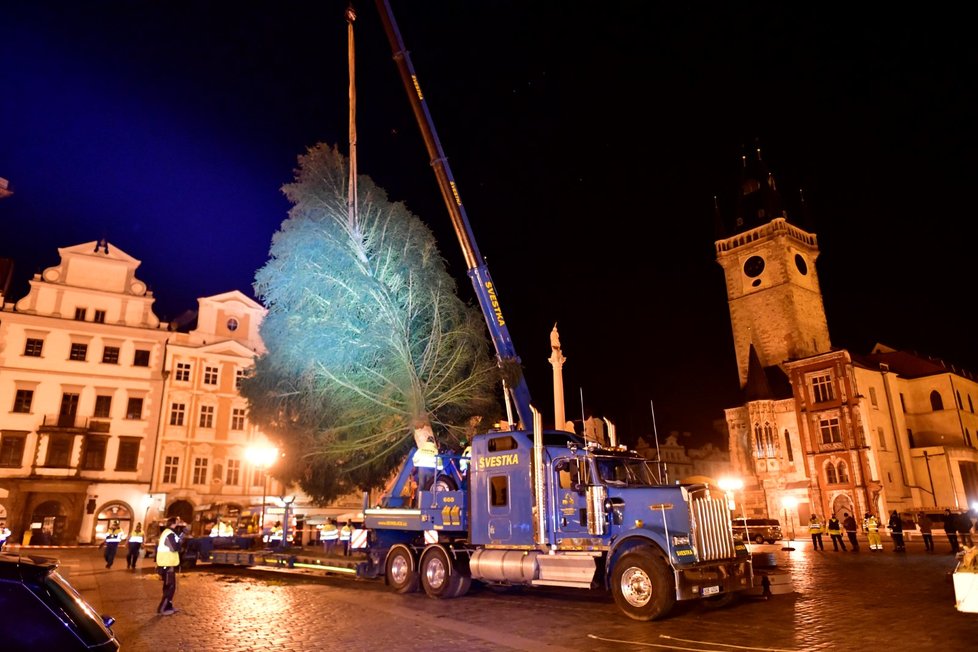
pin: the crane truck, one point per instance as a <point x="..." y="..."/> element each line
<point x="545" y="508"/>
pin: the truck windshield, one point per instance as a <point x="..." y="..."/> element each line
<point x="625" y="472"/>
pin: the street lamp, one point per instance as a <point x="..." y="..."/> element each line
<point x="262" y="457"/>
<point x="789" y="503"/>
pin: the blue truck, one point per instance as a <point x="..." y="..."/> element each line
<point x="545" y="508"/>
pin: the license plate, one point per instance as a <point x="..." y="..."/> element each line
<point x="710" y="590"/>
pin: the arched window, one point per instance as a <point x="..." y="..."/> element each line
<point x="843" y="472"/>
<point x="936" y="402"/>
<point x="758" y="441"/>
<point x="787" y="446"/>
<point x="971" y="406"/>
<point x="830" y="473"/>
<point x="769" y="440"/>
<point x="957" y="397"/>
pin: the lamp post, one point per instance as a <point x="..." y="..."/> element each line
<point x="262" y="457"/>
<point x="789" y="503"/>
<point x="287" y="505"/>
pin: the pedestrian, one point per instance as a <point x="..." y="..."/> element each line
<point x="896" y="531"/>
<point x="276" y="536"/>
<point x="330" y="536"/>
<point x="835" y="533"/>
<point x="346" y="533"/>
<point x="965" y="525"/>
<point x="815" y="529"/>
<point x="135" y="545"/>
<point x="111" y="542"/>
<point x="425" y="460"/>
<point x="923" y="522"/>
<point x="872" y="526"/>
<point x="849" y="523"/>
<point x="951" y="530"/>
<point x="4" y="534"/>
<point x="167" y="562"/>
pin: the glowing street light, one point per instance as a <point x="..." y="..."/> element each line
<point x="262" y="457"/>
<point x="729" y="486"/>
<point x="789" y="503"/>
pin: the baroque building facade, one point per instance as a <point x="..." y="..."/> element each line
<point x="824" y="430"/>
<point x="107" y="414"/>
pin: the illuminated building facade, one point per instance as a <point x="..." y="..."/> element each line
<point x="822" y="429"/>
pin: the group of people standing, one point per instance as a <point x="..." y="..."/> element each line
<point x="330" y="535"/>
<point x="954" y="525"/>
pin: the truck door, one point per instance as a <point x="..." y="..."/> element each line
<point x="571" y="498"/>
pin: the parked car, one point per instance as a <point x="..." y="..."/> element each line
<point x="41" y="610"/>
<point x="757" y="530"/>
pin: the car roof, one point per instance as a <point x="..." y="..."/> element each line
<point x="18" y="566"/>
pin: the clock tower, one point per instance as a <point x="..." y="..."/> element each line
<point x="772" y="287"/>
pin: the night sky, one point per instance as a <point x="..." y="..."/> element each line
<point x="588" y="141"/>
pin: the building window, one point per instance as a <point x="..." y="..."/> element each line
<point x="79" y="351"/>
<point x="830" y="474"/>
<point x="769" y="441"/>
<point x="34" y="345"/>
<point x="967" y="438"/>
<point x="872" y="398"/>
<point x="239" y="376"/>
<point x="758" y="441"/>
<point x="903" y="402"/>
<point x="93" y="457"/>
<point x="910" y="437"/>
<point x="831" y="433"/>
<point x="12" y="449"/>
<point x="787" y="446"/>
<point x="99" y="317"/>
<point x="134" y="409"/>
<point x="234" y="471"/>
<point x="110" y="355"/>
<point x="936" y="402"/>
<point x="206" y="416"/>
<point x="822" y="388"/>
<point x="23" y="400"/>
<point x="140" y="358"/>
<point x="258" y="478"/>
<point x="210" y="375"/>
<point x="843" y="472"/>
<point x="882" y="437"/>
<point x="103" y="406"/>
<point x="237" y="419"/>
<point x="80" y="314"/>
<point x="971" y="406"/>
<point x="177" y="412"/>
<point x="59" y="450"/>
<point x="171" y="466"/>
<point x="957" y="396"/>
<point x="183" y="372"/>
<point x="128" y="457"/>
<point x="200" y="470"/>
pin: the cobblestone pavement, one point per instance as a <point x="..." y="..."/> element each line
<point x="840" y="601"/>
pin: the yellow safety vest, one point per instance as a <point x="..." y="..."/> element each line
<point x="165" y="556"/>
<point x="835" y="527"/>
<point x="815" y="527"/>
<point x="330" y="533"/>
<point x="346" y="533"/>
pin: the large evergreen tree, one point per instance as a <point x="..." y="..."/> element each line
<point x="368" y="344"/>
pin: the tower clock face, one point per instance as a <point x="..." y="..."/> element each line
<point x="801" y="264"/>
<point x="753" y="266"/>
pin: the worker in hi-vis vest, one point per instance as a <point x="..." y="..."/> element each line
<point x="167" y="562"/>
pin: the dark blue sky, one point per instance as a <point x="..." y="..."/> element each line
<point x="588" y="141"/>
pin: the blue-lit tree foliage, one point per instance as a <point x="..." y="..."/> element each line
<point x="367" y="341"/>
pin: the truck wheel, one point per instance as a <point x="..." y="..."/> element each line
<point x="438" y="577"/>
<point x="401" y="574"/>
<point x="445" y="483"/>
<point x="643" y="586"/>
<point x="758" y="539"/>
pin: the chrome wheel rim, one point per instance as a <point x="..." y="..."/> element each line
<point x="636" y="587"/>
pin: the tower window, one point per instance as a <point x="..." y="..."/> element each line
<point x="822" y="388"/>
<point x="830" y="430"/>
<point x="936" y="402"/>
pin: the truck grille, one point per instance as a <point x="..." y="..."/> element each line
<point x="712" y="536"/>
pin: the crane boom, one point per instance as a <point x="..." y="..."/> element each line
<point x="478" y="271"/>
